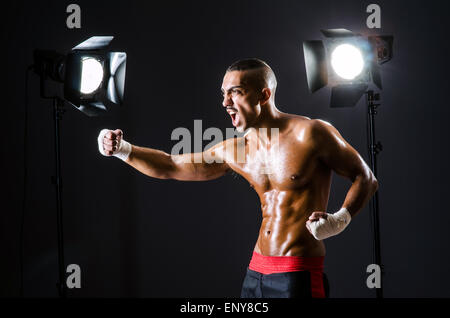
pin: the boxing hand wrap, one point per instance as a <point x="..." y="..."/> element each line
<point x="123" y="148"/>
<point x="334" y="224"/>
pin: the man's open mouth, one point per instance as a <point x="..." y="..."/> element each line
<point x="234" y="117"/>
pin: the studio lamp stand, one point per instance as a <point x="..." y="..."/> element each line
<point x="108" y="69"/>
<point x="58" y="110"/>
<point x="374" y="148"/>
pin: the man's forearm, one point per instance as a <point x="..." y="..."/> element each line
<point x="151" y="162"/>
<point x="360" y="193"/>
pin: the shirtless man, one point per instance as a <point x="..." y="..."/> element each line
<point x="288" y="257"/>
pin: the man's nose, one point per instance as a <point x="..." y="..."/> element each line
<point x="227" y="101"/>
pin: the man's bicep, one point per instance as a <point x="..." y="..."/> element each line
<point x="335" y="152"/>
<point x="202" y="166"/>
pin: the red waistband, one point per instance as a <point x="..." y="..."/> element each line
<point x="279" y="264"/>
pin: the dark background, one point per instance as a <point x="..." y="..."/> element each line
<point x="134" y="236"/>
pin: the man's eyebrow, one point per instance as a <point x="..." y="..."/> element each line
<point x="232" y="87"/>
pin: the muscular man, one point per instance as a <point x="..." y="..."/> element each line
<point x="291" y="174"/>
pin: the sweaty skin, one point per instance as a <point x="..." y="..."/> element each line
<point x="292" y="177"/>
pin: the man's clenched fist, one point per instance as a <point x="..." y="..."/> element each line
<point x="111" y="143"/>
<point x="323" y="225"/>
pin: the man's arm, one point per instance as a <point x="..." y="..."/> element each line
<point x="340" y="156"/>
<point x="337" y="154"/>
<point x="207" y="165"/>
<point x="185" y="167"/>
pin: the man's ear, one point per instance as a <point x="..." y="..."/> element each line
<point x="266" y="93"/>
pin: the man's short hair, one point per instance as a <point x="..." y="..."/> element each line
<point x="263" y="75"/>
<point x="247" y="64"/>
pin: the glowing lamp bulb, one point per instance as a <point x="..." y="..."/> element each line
<point x="347" y="61"/>
<point x="91" y="75"/>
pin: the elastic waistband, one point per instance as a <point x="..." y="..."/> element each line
<point x="279" y="264"/>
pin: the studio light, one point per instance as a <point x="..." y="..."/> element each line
<point x="347" y="62"/>
<point x="91" y="77"/>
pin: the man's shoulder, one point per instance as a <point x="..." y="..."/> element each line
<point x="306" y="124"/>
<point x="295" y="117"/>
<point x="312" y="133"/>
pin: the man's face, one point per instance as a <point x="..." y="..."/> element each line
<point x="241" y="99"/>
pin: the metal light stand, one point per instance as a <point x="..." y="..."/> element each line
<point x="374" y="148"/>
<point x="58" y="106"/>
<point x="58" y="110"/>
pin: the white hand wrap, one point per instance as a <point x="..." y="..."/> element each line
<point x="123" y="148"/>
<point x="334" y="224"/>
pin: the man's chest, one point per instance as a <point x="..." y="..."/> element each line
<point x="285" y="164"/>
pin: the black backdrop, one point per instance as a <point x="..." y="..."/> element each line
<point x="134" y="236"/>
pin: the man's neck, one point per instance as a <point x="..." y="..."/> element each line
<point x="269" y="117"/>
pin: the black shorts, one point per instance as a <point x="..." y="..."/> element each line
<point x="280" y="285"/>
